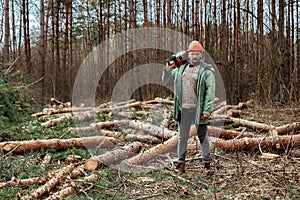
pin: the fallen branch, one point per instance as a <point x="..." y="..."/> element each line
<point x="21" y="147"/>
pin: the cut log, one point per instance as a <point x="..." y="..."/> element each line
<point x="234" y="113"/>
<point x="52" y="111"/>
<point x="132" y="114"/>
<point x="60" y="103"/>
<point x="56" y="121"/>
<point x="152" y="129"/>
<point x="113" y="157"/>
<point x="167" y="146"/>
<point x="226" y="134"/>
<point x="160" y="100"/>
<point x="24" y="182"/>
<point x="143" y="138"/>
<point x="108" y="133"/>
<point x="20" y="147"/>
<point x="49" y="184"/>
<point x="245" y="144"/>
<point x="137" y="104"/>
<point x="224" y="108"/>
<point x="250" y="124"/>
<point x="101" y="125"/>
<point x="287" y="129"/>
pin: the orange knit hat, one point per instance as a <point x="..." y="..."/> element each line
<point x="195" y="46"/>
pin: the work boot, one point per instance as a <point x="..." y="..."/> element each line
<point x="180" y="167"/>
<point x="206" y="165"/>
<point x="207" y="169"/>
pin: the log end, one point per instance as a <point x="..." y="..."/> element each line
<point x="91" y="164"/>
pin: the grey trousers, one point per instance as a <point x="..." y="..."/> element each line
<point x="187" y="119"/>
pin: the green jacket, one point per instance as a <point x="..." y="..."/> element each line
<point x="205" y="90"/>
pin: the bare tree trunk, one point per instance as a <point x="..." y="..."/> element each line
<point x="59" y="72"/>
<point x="42" y="48"/>
<point x="290" y="44"/>
<point x="88" y="34"/>
<point x="196" y="21"/>
<point x="297" y="54"/>
<point x="25" y="12"/>
<point x="100" y="21"/>
<point x="66" y="54"/>
<point x="224" y="35"/>
<point x="70" y="49"/>
<point x="145" y="5"/>
<point x="157" y="16"/>
<point x="14" y="37"/>
<point x="237" y="27"/>
<point x="7" y="34"/>
<point x="169" y="10"/>
<point x="281" y="82"/>
<point x="183" y="18"/>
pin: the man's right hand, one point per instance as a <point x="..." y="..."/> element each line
<point x="170" y="65"/>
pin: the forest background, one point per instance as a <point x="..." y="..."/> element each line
<point x="255" y="44"/>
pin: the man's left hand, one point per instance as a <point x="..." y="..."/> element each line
<point x="204" y="117"/>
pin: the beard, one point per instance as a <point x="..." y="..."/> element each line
<point x="194" y="62"/>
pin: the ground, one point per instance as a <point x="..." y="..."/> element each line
<point x="236" y="175"/>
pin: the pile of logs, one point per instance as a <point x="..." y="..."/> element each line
<point x="147" y="131"/>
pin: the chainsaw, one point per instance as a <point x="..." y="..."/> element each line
<point x="179" y="58"/>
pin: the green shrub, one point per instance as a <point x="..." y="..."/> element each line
<point x="15" y="105"/>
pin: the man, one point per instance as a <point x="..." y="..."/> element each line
<point x="194" y="92"/>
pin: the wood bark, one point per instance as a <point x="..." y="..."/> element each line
<point x="252" y="144"/>
<point x="167" y="146"/>
<point x="113" y="157"/>
<point x="21" y="147"/>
